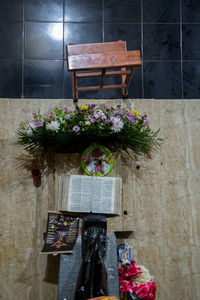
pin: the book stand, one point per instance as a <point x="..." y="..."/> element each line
<point x="89" y="58"/>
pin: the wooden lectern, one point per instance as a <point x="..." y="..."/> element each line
<point x="101" y="56"/>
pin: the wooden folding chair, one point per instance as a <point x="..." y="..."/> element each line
<point x="101" y="56"/>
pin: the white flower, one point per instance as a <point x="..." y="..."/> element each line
<point x="30" y="128"/>
<point x="144" y="276"/>
<point x="53" y="125"/>
<point x="118" y="124"/>
<point x="88" y="123"/>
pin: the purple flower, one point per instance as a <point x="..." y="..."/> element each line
<point x="67" y="117"/>
<point x="38" y="124"/>
<point x="131" y="119"/>
<point x="92" y="119"/>
<point x="112" y="118"/>
<point x="91" y="106"/>
<point x="128" y="114"/>
<point x="76" y="128"/>
<point x="119" y="112"/>
<point x="107" y="121"/>
<point x="146" y="122"/>
<point x="66" y="108"/>
<point x="118" y="105"/>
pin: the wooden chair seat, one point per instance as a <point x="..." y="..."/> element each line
<point x="102" y="56"/>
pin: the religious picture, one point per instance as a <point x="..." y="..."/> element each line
<point x="61" y="233"/>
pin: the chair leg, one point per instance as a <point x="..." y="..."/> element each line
<point x="127" y="83"/>
<point x="123" y="79"/>
<point x="74" y="87"/>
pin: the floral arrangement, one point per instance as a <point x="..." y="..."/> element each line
<point x="137" y="280"/>
<point x="66" y="128"/>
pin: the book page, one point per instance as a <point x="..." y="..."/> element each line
<point x="103" y="195"/>
<point x="91" y="194"/>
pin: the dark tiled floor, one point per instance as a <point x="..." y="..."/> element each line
<point x="118" y="11"/>
<point x="191" y="46"/>
<point x="43" y="79"/>
<point x="161" y="11"/>
<point x="125" y="32"/>
<point x="83" y="11"/>
<point x="11" y="10"/>
<point x="11" y="39"/>
<point x="191" y="81"/>
<point x="43" y="40"/>
<point x="34" y="34"/>
<point x="43" y="10"/>
<point x="162" y="42"/>
<point x="191" y="11"/>
<point x="10" y="78"/>
<point x="162" y="79"/>
<point x="78" y="33"/>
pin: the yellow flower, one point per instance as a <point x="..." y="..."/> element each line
<point x="134" y="112"/>
<point x="84" y="107"/>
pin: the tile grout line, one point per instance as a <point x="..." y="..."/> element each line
<point x="142" y="47"/>
<point x="63" y="49"/>
<point x="181" y="47"/>
<point x="103" y="91"/>
<point x="103" y="21"/>
<point x="23" y="50"/>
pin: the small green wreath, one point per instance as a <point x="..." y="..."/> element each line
<point x="97" y="160"/>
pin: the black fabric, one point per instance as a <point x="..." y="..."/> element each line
<point x="92" y="280"/>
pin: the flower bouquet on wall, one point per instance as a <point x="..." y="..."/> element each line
<point x="136" y="283"/>
<point x="69" y="130"/>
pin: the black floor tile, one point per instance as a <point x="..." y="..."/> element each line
<point x="159" y="11"/>
<point x="10" y="78"/>
<point x="67" y="83"/>
<point x="127" y="11"/>
<point x="131" y="33"/>
<point x="191" y="11"/>
<point x="43" y="10"/>
<point x="80" y="33"/>
<point x="96" y="94"/>
<point x="162" y="80"/>
<point x="83" y="11"/>
<point x="191" y="41"/>
<point x="11" y="10"/>
<point x="135" y="88"/>
<point x="43" y="40"/>
<point x="43" y="79"/>
<point x="161" y="41"/>
<point x="11" y="39"/>
<point x="191" y="82"/>
<point x="89" y="81"/>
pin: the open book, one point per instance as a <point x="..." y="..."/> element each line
<point x="77" y="193"/>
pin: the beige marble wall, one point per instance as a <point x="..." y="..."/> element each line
<point x="161" y="198"/>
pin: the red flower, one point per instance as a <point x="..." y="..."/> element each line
<point x="146" y="291"/>
<point x="124" y="286"/>
<point x="127" y="273"/>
